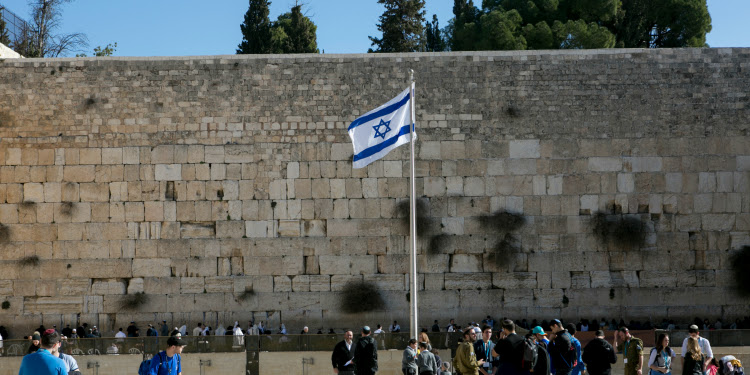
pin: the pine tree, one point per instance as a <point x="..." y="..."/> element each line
<point x="464" y="27"/>
<point x="4" y="37"/>
<point x="434" y="41"/>
<point x="293" y="32"/>
<point x="401" y="25"/>
<point x="256" y="30"/>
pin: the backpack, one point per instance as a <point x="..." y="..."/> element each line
<point x="530" y="354"/>
<point x="569" y="354"/>
<point x="146" y="363"/>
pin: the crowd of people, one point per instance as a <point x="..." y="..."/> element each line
<point x="46" y="357"/>
<point x="551" y="348"/>
<point x="494" y="349"/>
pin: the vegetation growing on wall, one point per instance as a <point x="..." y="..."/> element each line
<point x="361" y="296"/>
<point x="740" y="261"/>
<point x="503" y="223"/>
<point x="134" y="301"/>
<point x="29" y="261"/>
<point x="4" y="233"/>
<point x="625" y="231"/>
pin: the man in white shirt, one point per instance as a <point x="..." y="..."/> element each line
<point x="198" y="329"/>
<point x="702" y="342"/>
<point x="341" y="359"/>
<point x="378" y="330"/>
<point x="120" y="335"/>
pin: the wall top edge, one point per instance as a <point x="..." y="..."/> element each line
<point x="588" y="52"/>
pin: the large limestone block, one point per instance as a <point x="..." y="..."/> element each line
<point x="604" y="164"/>
<point x="282" y="284"/>
<point x="191" y="230"/>
<point x="468" y="281"/>
<point x="514" y="280"/>
<point x="279" y="265"/>
<point x="230" y="229"/>
<point x="62" y="305"/>
<point x="394" y="264"/>
<point x="466" y="263"/>
<point x="108" y="286"/>
<point x="197" y="266"/>
<point x="33" y="192"/>
<point x="161" y="285"/>
<point x="657" y="279"/>
<point x="168" y="172"/>
<point x="192" y="285"/>
<point x="718" y="222"/>
<point x="343" y="264"/>
<point x="643" y="164"/>
<point x="338" y="282"/>
<point x="521" y="149"/>
<point x="432" y="263"/>
<point x="152" y="268"/>
<point x="388" y="282"/>
<point x="79" y="173"/>
<point x="320" y="283"/>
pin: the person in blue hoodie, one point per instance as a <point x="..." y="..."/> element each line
<point x="580" y="367"/>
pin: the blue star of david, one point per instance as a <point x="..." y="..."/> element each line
<point x="378" y="132"/>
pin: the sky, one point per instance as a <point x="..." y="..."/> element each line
<point x="199" y="27"/>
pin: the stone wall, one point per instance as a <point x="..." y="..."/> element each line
<point x="222" y="187"/>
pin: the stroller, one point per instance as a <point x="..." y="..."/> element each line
<point x="729" y="365"/>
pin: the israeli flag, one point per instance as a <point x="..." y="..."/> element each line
<point x="381" y="130"/>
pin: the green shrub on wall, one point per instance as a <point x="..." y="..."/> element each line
<point x="740" y="261"/>
<point x="361" y="296"/>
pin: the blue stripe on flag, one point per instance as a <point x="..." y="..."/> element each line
<point x="385" y="111"/>
<point x="380" y="146"/>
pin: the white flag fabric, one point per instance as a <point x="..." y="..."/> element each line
<point x="381" y="130"/>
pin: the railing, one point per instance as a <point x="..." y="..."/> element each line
<point x="224" y="344"/>
<point x="14" y="24"/>
<point x="314" y="342"/>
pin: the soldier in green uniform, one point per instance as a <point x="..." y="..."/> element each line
<point x="465" y="362"/>
<point x="632" y="351"/>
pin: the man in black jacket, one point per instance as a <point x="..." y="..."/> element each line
<point x="598" y="355"/>
<point x="343" y="355"/>
<point x="366" y="354"/>
<point x="561" y="350"/>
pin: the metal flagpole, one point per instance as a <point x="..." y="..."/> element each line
<point x="413" y="306"/>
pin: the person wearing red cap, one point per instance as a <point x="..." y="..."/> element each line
<point x="42" y="362"/>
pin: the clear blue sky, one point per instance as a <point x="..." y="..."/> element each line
<point x="193" y="27"/>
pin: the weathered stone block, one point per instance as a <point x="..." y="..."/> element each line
<point x="524" y="149"/>
<point x="151" y="267"/>
<point x="468" y="281"/>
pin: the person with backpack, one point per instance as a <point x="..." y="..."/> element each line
<point x="599" y="355"/>
<point x="166" y="362"/>
<point x="632" y="351"/>
<point x="580" y="367"/>
<point x="694" y="361"/>
<point x="660" y="359"/>
<point x="562" y="352"/>
<point x="511" y="349"/>
<point x="543" y="364"/>
<point x="704" y="344"/>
